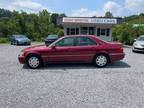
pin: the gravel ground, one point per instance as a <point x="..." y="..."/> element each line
<point x="119" y="85"/>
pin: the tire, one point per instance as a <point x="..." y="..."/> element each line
<point x="16" y="43"/>
<point x="133" y="51"/>
<point x="101" y="60"/>
<point x="28" y="44"/>
<point x="34" y="62"/>
<point x="11" y="43"/>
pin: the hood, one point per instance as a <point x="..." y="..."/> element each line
<point x="36" y="48"/>
<point x="140" y="42"/>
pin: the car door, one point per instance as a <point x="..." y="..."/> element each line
<point x="60" y="52"/>
<point x="85" y="49"/>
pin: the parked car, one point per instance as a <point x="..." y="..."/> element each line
<point x="138" y="45"/>
<point x="50" y="39"/>
<point x="20" y="40"/>
<point x="78" y="48"/>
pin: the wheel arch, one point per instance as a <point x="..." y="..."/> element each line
<point x="33" y="54"/>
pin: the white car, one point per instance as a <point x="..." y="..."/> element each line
<point x="138" y="45"/>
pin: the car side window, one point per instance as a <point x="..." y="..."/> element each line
<point x="66" y="42"/>
<point x="84" y="41"/>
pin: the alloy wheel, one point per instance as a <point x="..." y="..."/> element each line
<point x="33" y="62"/>
<point x="101" y="61"/>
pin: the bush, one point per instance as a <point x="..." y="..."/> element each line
<point x="61" y="33"/>
<point x="126" y="33"/>
<point x="3" y="40"/>
<point x="38" y="39"/>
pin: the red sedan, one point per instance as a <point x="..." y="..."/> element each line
<point x="79" y="48"/>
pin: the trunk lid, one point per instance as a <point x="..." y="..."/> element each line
<point x="115" y="44"/>
<point x="115" y="47"/>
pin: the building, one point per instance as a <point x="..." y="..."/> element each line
<point x="101" y="27"/>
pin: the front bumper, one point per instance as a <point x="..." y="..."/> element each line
<point x="21" y="59"/>
<point x="138" y="49"/>
<point x="24" y="43"/>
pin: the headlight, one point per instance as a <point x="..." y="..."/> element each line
<point x="21" y="53"/>
<point x="135" y="44"/>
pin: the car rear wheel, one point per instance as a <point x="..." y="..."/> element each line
<point x="34" y="62"/>
<point x="101" y="60"/>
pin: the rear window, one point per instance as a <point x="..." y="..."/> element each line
<point x="85" y="41"/>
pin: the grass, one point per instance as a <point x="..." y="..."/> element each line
<point x="3" y="40"/>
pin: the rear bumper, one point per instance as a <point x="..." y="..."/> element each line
<point x="21" y="59"/>
<point x="117" y="56"/>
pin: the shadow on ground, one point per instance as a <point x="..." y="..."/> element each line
<point x="138" y="52"/>
<point x="64" y="66"/>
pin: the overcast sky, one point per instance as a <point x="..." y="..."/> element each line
<point x="85" y="8"/>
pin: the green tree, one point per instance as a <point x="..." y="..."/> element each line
<point x="54" y="18"/>
<point x="108" y="14"/>
<point x="126" y="33"/>
<point x="5" y="13"/>
<point x="35" y="26"/>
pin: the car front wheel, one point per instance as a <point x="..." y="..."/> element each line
<point x="16" y="43"/>
<point x="101" y="60"/>
<point x="34" y="62"/>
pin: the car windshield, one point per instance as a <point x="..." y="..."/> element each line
<point x="21" y="36"/>
<point x="141" y="38"/>
<point x="52" y="37"/>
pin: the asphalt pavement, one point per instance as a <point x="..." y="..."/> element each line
<point x="119" y="85"/>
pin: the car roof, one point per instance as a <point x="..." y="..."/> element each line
<point x="80" y="35"/>
<point x="83" y="35"/>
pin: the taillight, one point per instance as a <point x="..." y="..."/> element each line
<point x="120" y="50"/>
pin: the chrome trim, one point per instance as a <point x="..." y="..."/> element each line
<point x="68" y="55"/>
<point x="113" y="54"/>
